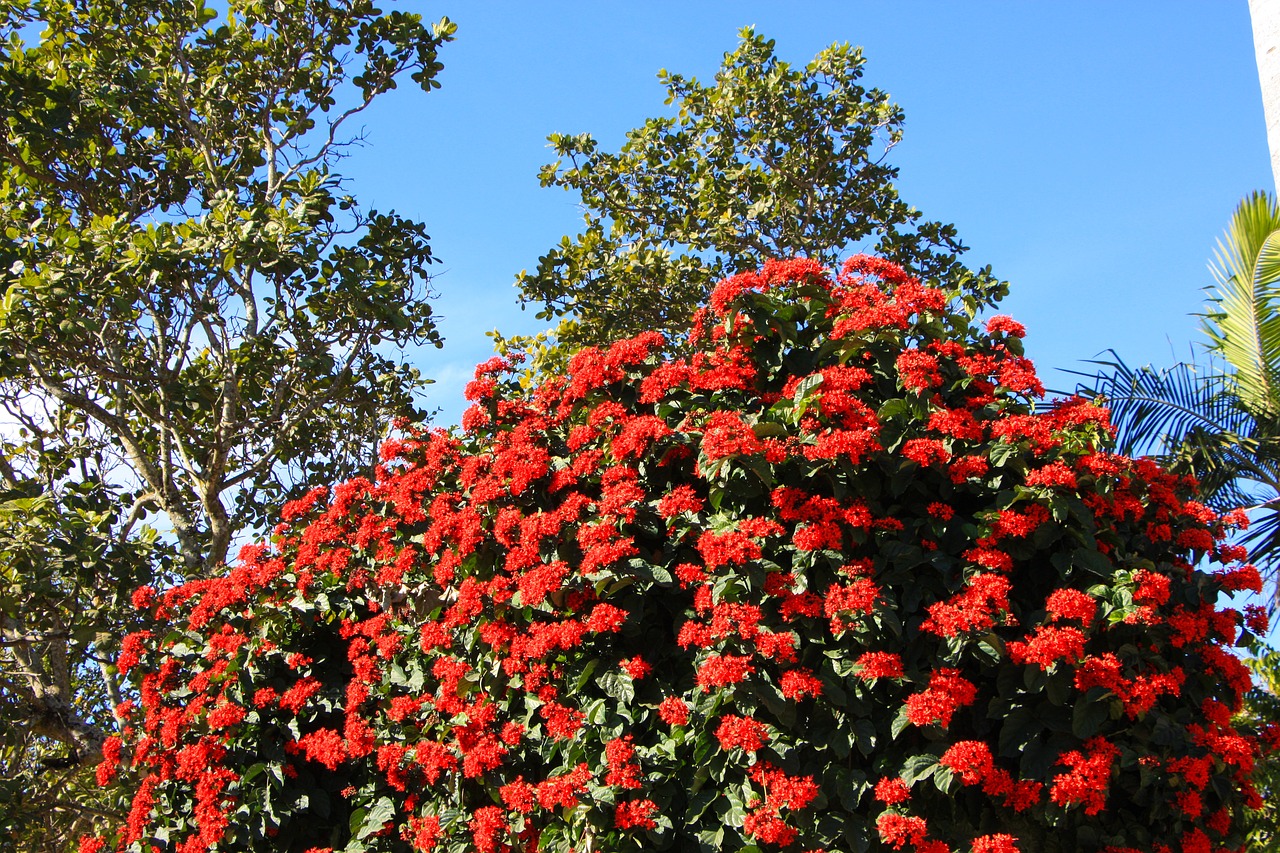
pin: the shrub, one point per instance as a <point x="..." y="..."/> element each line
<point x="835" y="582"/>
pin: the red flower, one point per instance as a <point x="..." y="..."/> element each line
<point x="1072" y="604"/>
<point x="296" y="697"/>
<point x="674" y="711"/>
<point x="225" y="716"/>
<point x="562" y="722"/>
<point x="131" y="649"/>
<point x="991" y="558"/>
<point x="941" y="511"/>
<point x="998" y="843"/>
<point x="518" y="795"/>
<point x="425" y="832"/>
<point x="620" y="755"/>
<point x="723" y="670"/>
<point x="797" y="683"/>
<point x="606" y="619"/>
<point x="947" y="692"/>
<point x="636" y="667"/>
<point x="1087" y="781"/>
<point x="769" y="828"/>
<point x="891" y="790"/>
<point x="679" y="499"/>
<point x="324" y="746"/>
<point x="975" y="609"/>
<point x="879" y="665"/>
<point x="918" y="371"/>
<point x="110" y="765"/>
<point x="744" y="733"/>
<point x="970" y="760"/>
<point x="635" y="814"/>
<point x="857" y="598"/>
<point x="926" y="451"/>
<point x="1244" y="578"/>
<point x="731" y="546"/>
<point x="638" y="434"/>
<point x="1048" y="646"/>
<point x="725" y="435"/>
<point x="967" y="467"/>
<point x="561" y="791"/>
<point x="897" y="830"/>
<point x="1153" y="589"/>
<point x="1004" y="324"/>
<point x="1053" y="474"/>
<point x="488" y="826"/>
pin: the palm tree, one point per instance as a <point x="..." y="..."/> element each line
<point x="1219" y="418"/>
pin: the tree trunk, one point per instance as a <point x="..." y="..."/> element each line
<point x="1265" y="15"/>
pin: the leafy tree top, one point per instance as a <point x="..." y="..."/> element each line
<point x="769" y="160"/>
<point x="831" y="582"/>
<point x="179" y="263"/>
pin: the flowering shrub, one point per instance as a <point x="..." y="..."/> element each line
<point x="832" y="583"/>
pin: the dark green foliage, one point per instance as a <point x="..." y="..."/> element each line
<point x="769" y="161"/>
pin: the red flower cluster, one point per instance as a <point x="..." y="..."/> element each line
<point x="947" y="693"/>
<point x="833" y="573"/>
<point x="743" y="733"/>
<point x="1089" y="777"/>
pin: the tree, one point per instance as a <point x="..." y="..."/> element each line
<point x="195" y="313"/>
<point x="830" y="581"/>
<point x="1219" y="420"/>
<point x="1262" y="712"/>
<point x="769" y="161"/>
<point x="182" y="266"/>
<point x="66" y="578"/>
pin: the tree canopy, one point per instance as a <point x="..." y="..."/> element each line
<point x="181" y="265"/>
<point x="770" y="160"/>
<point x="830" y="581"/>
<point x="197" y="317"/>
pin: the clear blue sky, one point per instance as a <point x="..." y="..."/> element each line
<point x="1090" y="151"/>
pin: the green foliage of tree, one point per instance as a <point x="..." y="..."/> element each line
<point x="1262" y="712"/>
<point x="68" y="564"/>
<point x="196" y="316"/>
<point x="181" y="263"/>
<point x="769" y="161"/>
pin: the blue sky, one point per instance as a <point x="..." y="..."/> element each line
<point x="1091" y="152"/>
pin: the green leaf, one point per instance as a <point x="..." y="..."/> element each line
<point x="900" y="723"/>
<point x="917" y="767"/>
<point x="1088" y="715"/>
<point x="618" y="686"/>
<point x="374" y="819"/>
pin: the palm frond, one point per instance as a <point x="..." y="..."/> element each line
<point x="1155" y="410"/>
<point x="1243" y="323"/>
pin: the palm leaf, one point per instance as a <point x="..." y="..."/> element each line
<point x="1243" y="324"/>
<point x="1155" y="410"/>
<point x="1188" y="417"/>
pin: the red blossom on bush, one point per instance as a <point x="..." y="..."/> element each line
<point x="879" y="665"/>
<point x="892" y="790"/>
<point x="833" y="543"/>
<point x="635" y="814"/>
<point x="898" y="830"/>
<point x="1087" y="781"/>
<point x="743" y="733"/>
